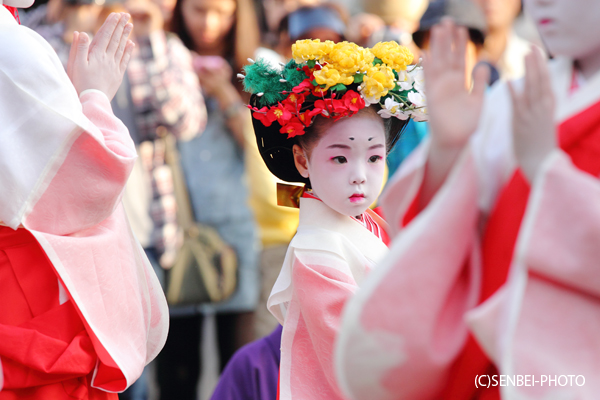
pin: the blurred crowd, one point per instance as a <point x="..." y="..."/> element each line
<point x="183" y="82"/>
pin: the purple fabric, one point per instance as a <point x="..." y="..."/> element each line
<point x="253" y="371"/>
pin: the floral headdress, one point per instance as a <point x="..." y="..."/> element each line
<point x="335" y="80"/>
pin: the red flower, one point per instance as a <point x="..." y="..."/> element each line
<point x="264" y="115"/>
<point x="280" y="113"/>
<point x="293" y="102"/>
<point x="353" y="101"/>
<point x="305" y="118"/>
<point x="303" y="86"/>
<point x="308" y="72"/>
<point x="293" y="128"/>
<point x="330" y="107"/>
<point x="318" y="91"/>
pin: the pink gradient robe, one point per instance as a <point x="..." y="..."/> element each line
<point x="403" y="332"/>
<point x="325" y="263"/>
<point x="64" y="160"/>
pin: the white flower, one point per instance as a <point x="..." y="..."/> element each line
<point x="417" y="99"/>
<point x="370" y="100"/>
<point x="419" y="78"/>
<point x="403" y="115"/>
<point x="391" y="108"/>
<point x="405" y="80"/>
<point x="419" y="114"/>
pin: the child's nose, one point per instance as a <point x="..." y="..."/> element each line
<point x="358" y="177"/>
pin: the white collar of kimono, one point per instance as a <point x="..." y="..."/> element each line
<point x="569" y="105"/>
<point x="6" y="17"/>
<point x="315" y="213"/>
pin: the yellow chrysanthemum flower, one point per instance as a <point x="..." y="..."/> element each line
<point x="393" y="55"/>
<point x="349" y="58"/>
<point x="304" y="50"/>
<point x="377" y="82"/>
<point x="330" y="77"/>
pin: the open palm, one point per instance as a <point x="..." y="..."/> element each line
<point x="453" y="109"/>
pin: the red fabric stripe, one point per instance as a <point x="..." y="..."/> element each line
<point x="14" y="12"/>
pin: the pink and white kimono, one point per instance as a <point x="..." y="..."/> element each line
<point x="325" y="263"/>
<point x="64" y="160"/>
<point x="406" y="333"/>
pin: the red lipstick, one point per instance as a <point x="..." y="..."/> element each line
<point x="356" y="197"/>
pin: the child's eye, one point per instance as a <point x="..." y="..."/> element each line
<point x="374" y="159"/>
<point x="339" y="160"/>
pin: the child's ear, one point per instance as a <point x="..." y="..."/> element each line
<point x="300" y="160"/>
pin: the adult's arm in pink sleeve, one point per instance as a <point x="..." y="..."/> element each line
<point x="403" y="330"/>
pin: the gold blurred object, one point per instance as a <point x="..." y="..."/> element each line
<point x="392" y="10"/>
<point x="289" y="195"/>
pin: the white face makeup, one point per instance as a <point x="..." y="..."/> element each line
<point x="17" y="3"/>
<point x="347" y="164"/>
<point x="568" y="27"/>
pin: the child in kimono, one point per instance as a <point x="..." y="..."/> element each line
<point x="499" y="229"/>
<point x="81" y="310"/>
<point x="327" y="119"/>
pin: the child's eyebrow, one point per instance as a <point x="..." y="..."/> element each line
<point x="338" y="146"/>
<point x="376" y="146"/>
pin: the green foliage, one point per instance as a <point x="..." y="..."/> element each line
<point x="358" y="78"/>
<point x="292" y="75"/>
<point x="261" y="77"/>
<point x="340" y="87"/>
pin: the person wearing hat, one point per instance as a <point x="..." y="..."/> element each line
<point x="324" y="22"/>
<point x="328" y="127"/>
<point x="464" y="13"/>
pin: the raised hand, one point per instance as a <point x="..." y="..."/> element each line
<point x="453" y="109"/>
<point x="101" y="64"/>
<point x="534" y="130"/>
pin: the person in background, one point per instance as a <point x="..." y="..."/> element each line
<point x="253" y="371"/>
<point x="163" y="95"/>
<point x="223" y="34"/>
<point x="464" y="13"/>
<point x="401" y="18"/>
<point x="362" y="26"/>
<point x="58" y="19"/>
<point x="324" y="22"/>
<point x="273" y="11"/>
<point x="502" y="47"/>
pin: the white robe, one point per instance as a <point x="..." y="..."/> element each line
<point x="325" y="263"/>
